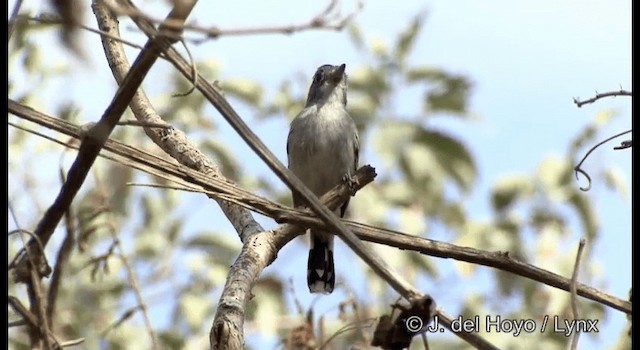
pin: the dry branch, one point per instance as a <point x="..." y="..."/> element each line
<point x="170" y="171"/>
<point x="89" y="150"/>
<point x="225" y="189"/>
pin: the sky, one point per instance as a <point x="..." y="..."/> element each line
<point x="527" y="61"/>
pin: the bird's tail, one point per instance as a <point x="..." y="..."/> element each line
<point x="321" y="276"/>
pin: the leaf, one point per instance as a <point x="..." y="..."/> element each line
<point x="390" y="138"/>
<point x="555" y="176"/>
<point x="195" y="309"/>
<point x="423" y="263"/>
<point x="227" y="163"/>
<point x="451" y="94"/>
<point x="221" y="247"/>
<point x="284" y="102"/>
<point x="363" y="110"/>
<point x="411" y="221"/>
<point x="398" y="193"/>
<point x="586" y="213"/>
<point x="543" y="216"/>
<point x="370" y="82"/>
<point x="424" y="73"/>
<point x="616" y="181"/>
<point x="247" y="90"/>
<point x="407" y="38"/>
<point x="587" y="135"/>
<point x="508" y="190"/>
<point x="355" y="34"/>
<point x="453" y="215"/>
<point x="452" y="155"/>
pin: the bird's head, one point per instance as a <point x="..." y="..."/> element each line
<point x="329" y="82"/>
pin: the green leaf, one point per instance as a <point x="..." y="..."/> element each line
<point x="117" y="177"/>
<point x="355" y="34"/>
<point x="543" y="216"/>
<point x="508" y="190"/>
<point x="221" y="247"/>
<point x="362" y="109"/>
<point x="423" y="263"/>
<point x="587" y="135"/>
<point x="586" y="213"/>
<point x="451" y="154"/>
<point x="247" y="90"/>
<point x="424" y="73"/>
<point x="407" y="38"/>
<point x="450" y="95"/>
<point x="616" y="180"/>
<point x="370" y="82"/>
<point x="227" y="163"/>
<point x="453" y="215"/>
<point x="195" y="309"/>
<point x="555" y="176"/>
<point x="390" y="138"/>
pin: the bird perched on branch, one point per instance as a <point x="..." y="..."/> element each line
<point x="322" y="149"/>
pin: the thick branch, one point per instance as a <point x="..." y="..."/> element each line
<point x="173" y="141"/>
<point x="87" y="154"/>
<point x="222" y="188"/>
<point x="225" y="189"/>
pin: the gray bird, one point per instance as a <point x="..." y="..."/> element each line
<point x="322" y="148"/>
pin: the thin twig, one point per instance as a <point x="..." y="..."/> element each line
<point x="27" y="317"/>
<point x="131" y="274"/>
<point x="49" y="19"/>
<point x="125" y="316"/>
<point x="320" y="21"/>
<point x="602" y="95"/>
<point x="578" y="168"/>
<point x="573" y="341"/>
<point x="37" y="306"/>
<point x="23" y="250"/>
<point x="624" y="145"/>
<point x="194" y="72"/>
<point x="366" y="323"/>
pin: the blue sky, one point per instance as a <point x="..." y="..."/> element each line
<point x="527" y="60"/>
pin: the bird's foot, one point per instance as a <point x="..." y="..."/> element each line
<point x="351" y="182"/>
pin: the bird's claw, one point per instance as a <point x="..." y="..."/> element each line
<point x="349" y="181"/>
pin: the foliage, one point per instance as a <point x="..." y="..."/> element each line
<point x="427" y="172"/>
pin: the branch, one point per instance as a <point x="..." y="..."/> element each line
<point x="599" y="96"/>
<point x="90" y="148"/>
<point x="573" y="342"/>
<point x="49" y="19"/>
<point x="64" y="253"/>
<point x="221" y="188"/>
<point x="231" y="116"/>
<point x="174" y="142"/>
<point x="579" y="170"/>
<point x="225" y="189"/>
<point x="322" y="20"/>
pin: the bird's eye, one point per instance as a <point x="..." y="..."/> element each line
<point x="317" y="77"/>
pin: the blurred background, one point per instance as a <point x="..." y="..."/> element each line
<point x="464" y="108"/>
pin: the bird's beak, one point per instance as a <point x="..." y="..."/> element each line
<point x="338" y="73"/>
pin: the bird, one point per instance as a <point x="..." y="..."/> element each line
<point x="322" y="150"/>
